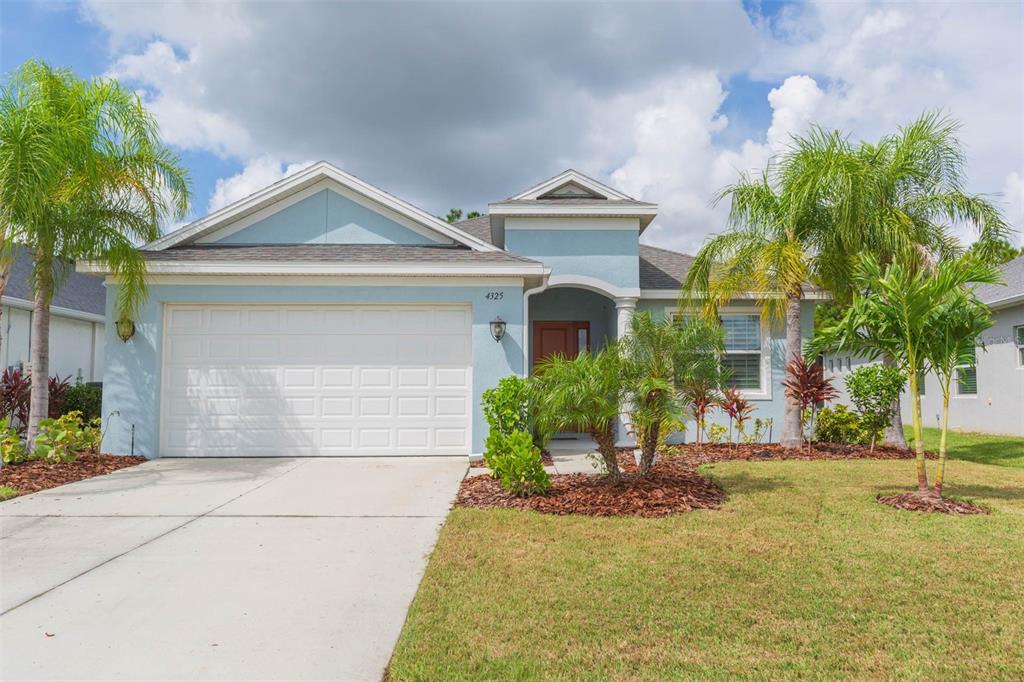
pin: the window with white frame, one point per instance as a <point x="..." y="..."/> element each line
<point x="743" y="350"/>
<point x="1018" y="338"/>
<point x="967" y="377"/>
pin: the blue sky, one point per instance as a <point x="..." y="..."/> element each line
<point x="461" y="104"/>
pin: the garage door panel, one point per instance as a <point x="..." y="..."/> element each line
<point x="316" y="380"/>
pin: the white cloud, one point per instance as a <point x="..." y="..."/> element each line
<point x="257" y="174"/>
<point x="512" y="93"/>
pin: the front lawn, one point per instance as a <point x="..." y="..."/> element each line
<point x="800" y="574"/>
<point x="976" y="447"/>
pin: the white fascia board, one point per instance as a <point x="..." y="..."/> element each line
<point x="645" y="212"/>
<point x="575" y="177"/>
<point x="292" y="268"/>
<point x="674" y="294"/>
<point x="1006" y="302"/>
<point x="301" y="180"/>
<point x="57" y="310"/>
<point x="334" y="280"/>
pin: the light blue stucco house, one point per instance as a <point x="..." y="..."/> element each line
<point x="324" y="316"/>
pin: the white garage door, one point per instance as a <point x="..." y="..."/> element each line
<point x="252" y="380"/>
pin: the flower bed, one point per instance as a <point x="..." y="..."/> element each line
<point x="674" y="486"/>
<point x="31" y="477"/>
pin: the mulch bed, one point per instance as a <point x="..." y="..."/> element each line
<point x="674" y="485"/>
<point x="31" y="477"/>
<point x="931" y="504"/>
<point x="545" y="457"/>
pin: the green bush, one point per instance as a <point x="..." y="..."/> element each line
<point x="716" y="434"/>
<point x="12" y="448"/>
<point x="84" y="398"/>
<point x="873" y="391"/>
<point x="510" y="407"/>
<point x="839" y="425"/>
<point x="516" y="463"/>
<point x="62" y="439"/>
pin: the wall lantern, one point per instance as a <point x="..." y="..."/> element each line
<point x="125" y="329"/>
<point x="498" y="328"/>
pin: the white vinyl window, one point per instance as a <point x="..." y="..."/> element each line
<point x="1018" y="338"/>
<point x="967" y="377"/>
<point x="743" y="350"/>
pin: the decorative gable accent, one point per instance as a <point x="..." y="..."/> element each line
<point x="569" y="183"/>
<point x="256" y="210"/>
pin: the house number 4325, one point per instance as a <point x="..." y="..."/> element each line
<point x="495" y="295"/>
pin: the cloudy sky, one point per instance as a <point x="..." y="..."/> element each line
<point x="460" y="104"/>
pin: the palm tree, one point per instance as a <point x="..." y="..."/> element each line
<point x="949" y="345"/>
<point x="775" y="247"/>
<point x="657" y="359"/>
<point x="897" y="199"/>
<point x="895" y="312"/>
<point x="584" y="393"/>
<point x="83" y="175"/>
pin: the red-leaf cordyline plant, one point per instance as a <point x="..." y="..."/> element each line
<point x="702" y="395"/>
<point x="806" y="383"/>
<point x="738" y="408"/>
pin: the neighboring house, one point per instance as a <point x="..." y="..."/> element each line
<point x="323" y="316"/>
<point x="76" y="322"/>
<point x="988" y="397"/>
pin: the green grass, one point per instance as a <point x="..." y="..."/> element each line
<point x="7" y="492"/>
<point x="801" y="575"/>
<point x="976" y="447"/>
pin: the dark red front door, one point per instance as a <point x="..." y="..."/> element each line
<point x="562" y="338"/>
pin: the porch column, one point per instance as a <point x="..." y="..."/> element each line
<point x="624" y="309"/>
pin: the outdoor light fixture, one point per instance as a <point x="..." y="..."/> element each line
<point x="498" y="328"/>
<point x="125" y="329"/>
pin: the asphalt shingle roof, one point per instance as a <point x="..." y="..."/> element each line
<point x="330" y="253"/>
<point x="1013" y="276"/>
<point x="77" y="291"/>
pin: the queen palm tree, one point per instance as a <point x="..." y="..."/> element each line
<point x="896" y="199"/>
<point x="83" y="175"/>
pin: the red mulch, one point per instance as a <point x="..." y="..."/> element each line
<point x="31" y="477"/>
<point x="930" y="504"/>
<point x="674" y="485"/>
<point x="545" y="457"/>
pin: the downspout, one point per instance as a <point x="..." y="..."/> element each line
<point x="527" y="332"/>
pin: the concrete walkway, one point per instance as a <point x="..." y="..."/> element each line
<point x="243" y="569"/>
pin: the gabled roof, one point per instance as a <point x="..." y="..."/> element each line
<point x="302" y="180"/>
<point x="1011" y="291"/>
<point x="78" y="292"/>
<point x="570" y="177"/>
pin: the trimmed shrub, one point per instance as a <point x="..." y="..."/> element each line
<point x="507" y="405"/>
<point x="839" y="425"/>
<point x="874" y="389"/>
<point x="517" y="464"/>
<point x="84" y="398"/>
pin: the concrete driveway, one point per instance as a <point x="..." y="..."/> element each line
<point x="217" y="569"/>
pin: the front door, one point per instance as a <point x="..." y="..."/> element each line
<point x="560" y="338"/>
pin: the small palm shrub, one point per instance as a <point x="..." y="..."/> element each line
<point x="583" y="393"/>
<point x="516" y="463"/>
<point x="874" y="389"/>
<point x="839" y="425"/>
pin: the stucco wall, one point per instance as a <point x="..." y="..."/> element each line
<point x="998" y="406"/>
<point x="325" y="218"/>
<point x="132" y="376"/>
<point x="603" y="248"/>
<point x="765" y="408"/>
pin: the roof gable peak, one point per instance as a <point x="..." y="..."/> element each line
<point x="571" y="184"/>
